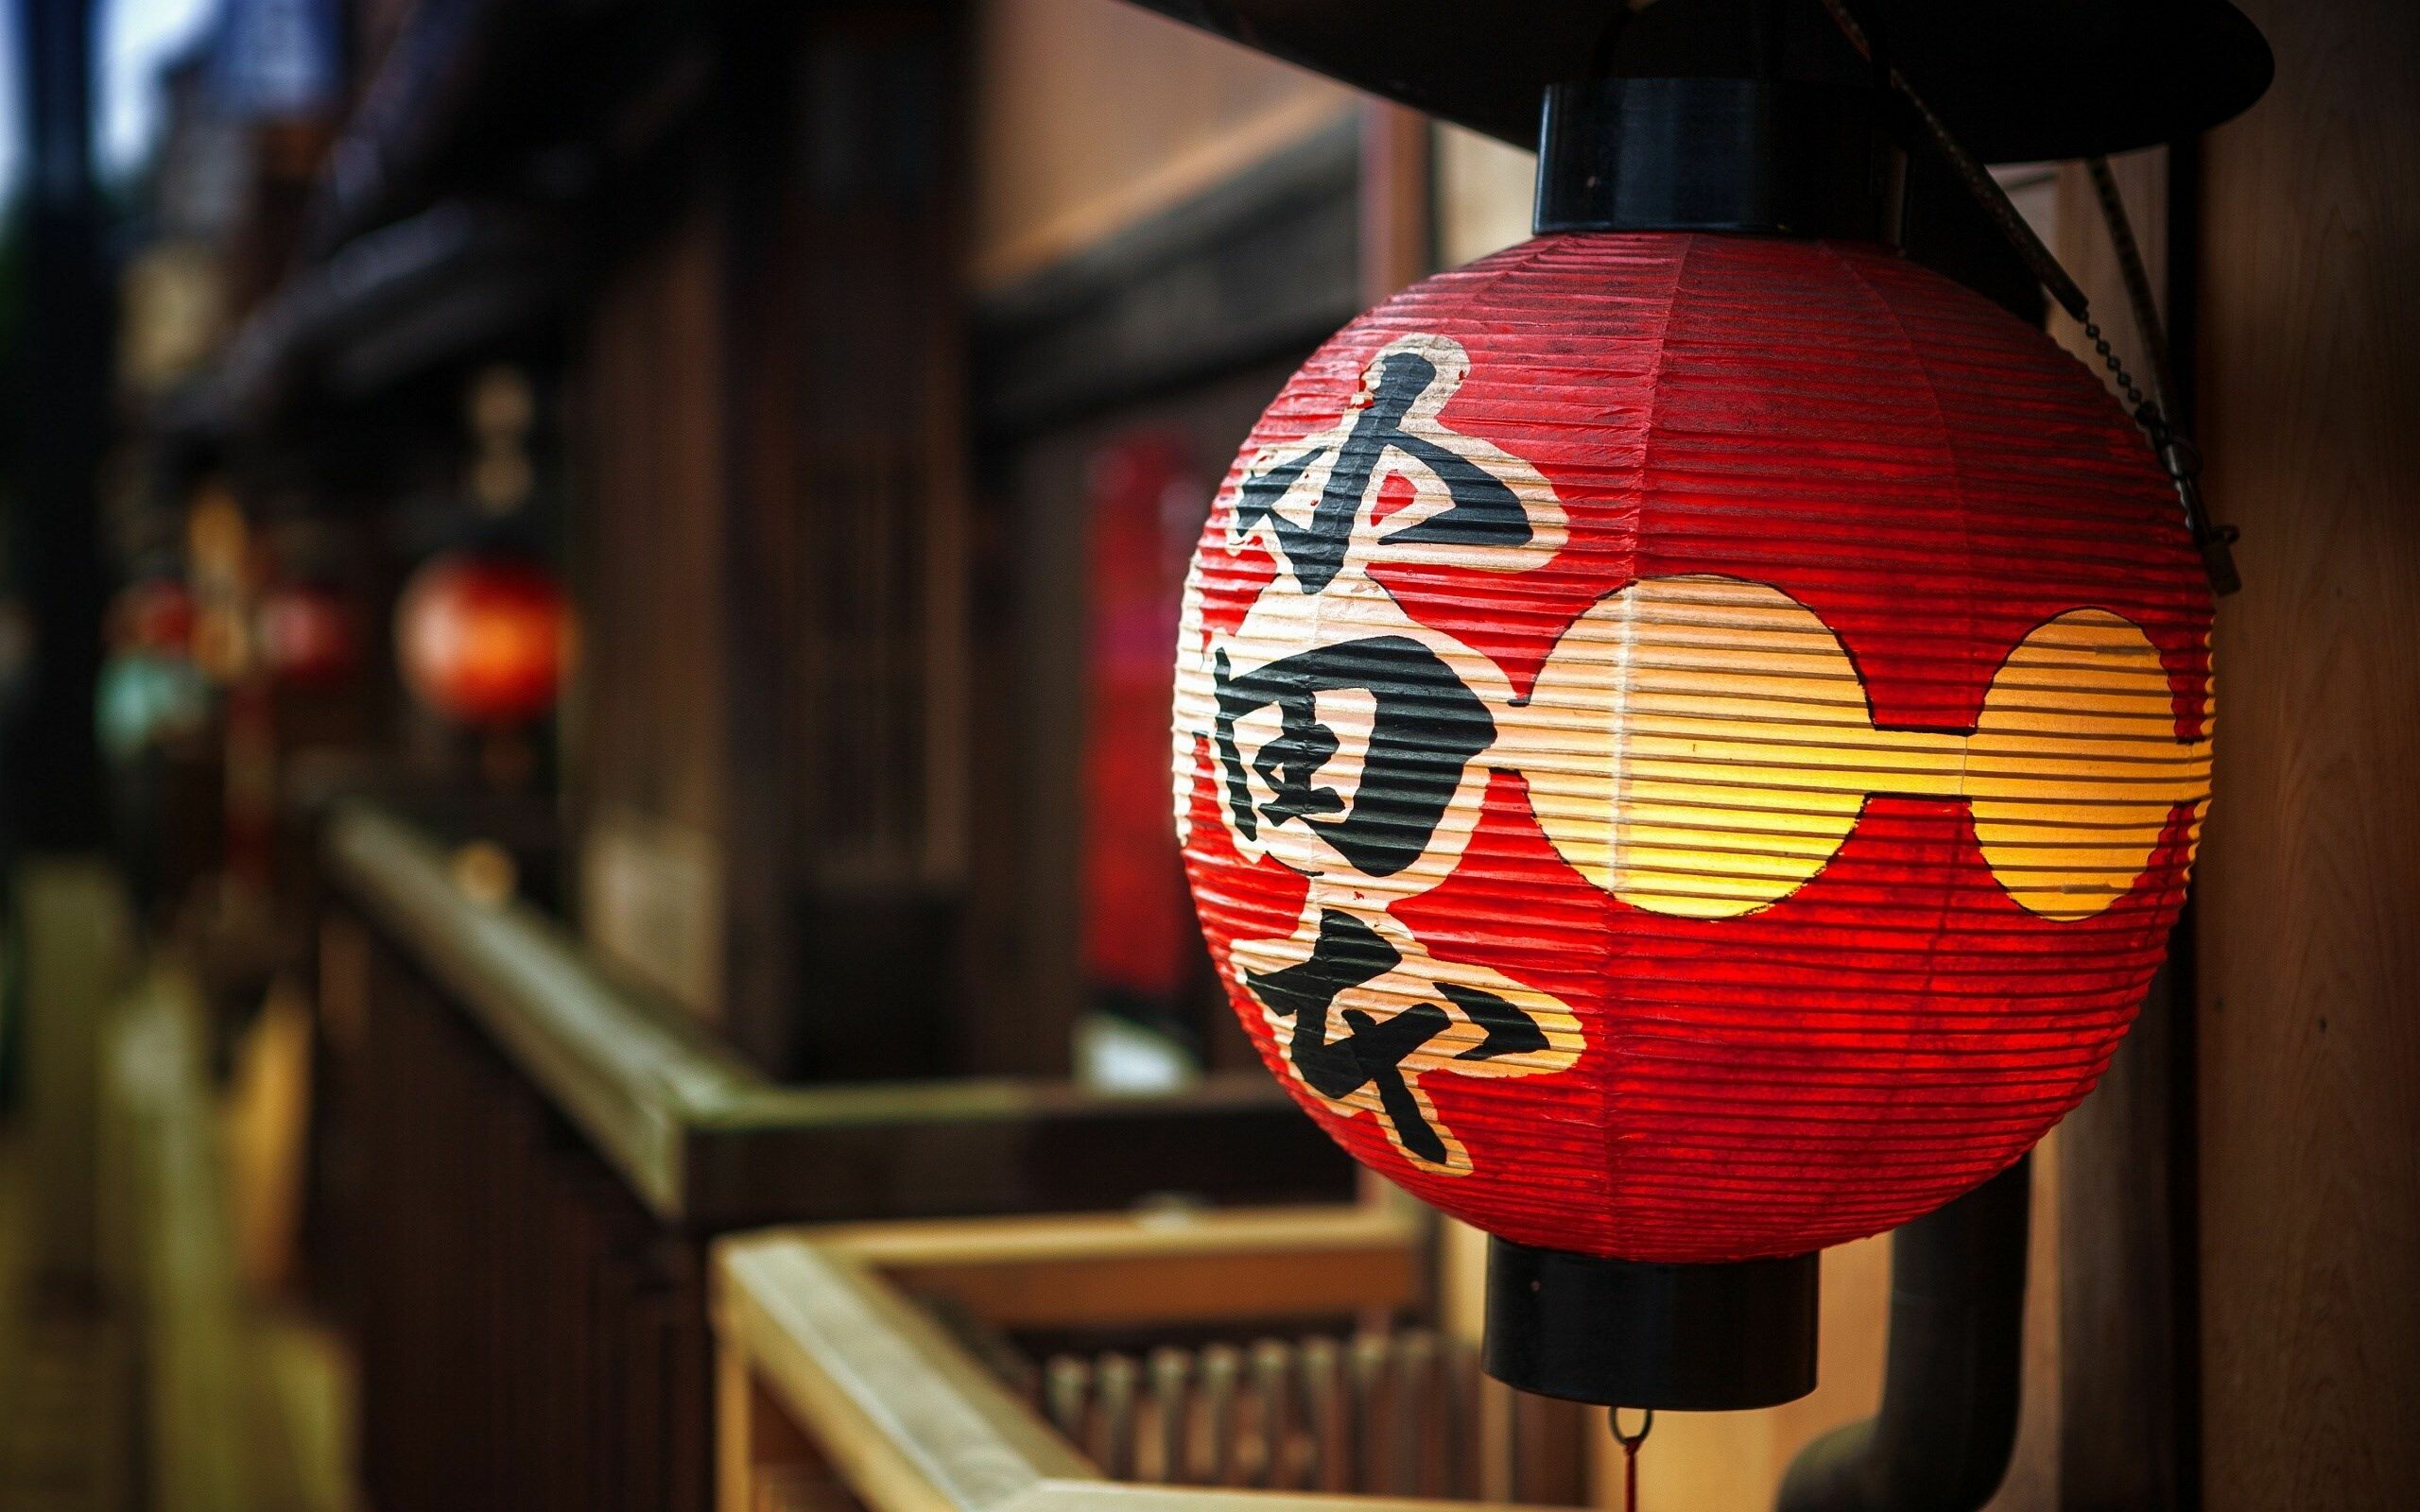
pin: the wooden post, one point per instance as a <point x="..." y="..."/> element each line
<point x="52" y="785"/>
<point x="2126" y="1398"/>
<point x="2309" y="950"/>
<point x="1399" y="236"/>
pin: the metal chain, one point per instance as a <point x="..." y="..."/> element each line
<point x="2181" y="459"/>
<point x="1988" y="193"/>
<point x="2177" y="456"/>
<point x="2118" y="374"/>
<point x="2138" y="279"/>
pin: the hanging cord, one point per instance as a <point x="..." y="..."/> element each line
<point x="2139" y="281"/>
<point x="1629" y="1443"/>
<point x="1988" y="193"/>
<point x="2176" y="455"/>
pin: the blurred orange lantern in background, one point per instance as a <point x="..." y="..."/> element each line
<point x="484" y="639"/>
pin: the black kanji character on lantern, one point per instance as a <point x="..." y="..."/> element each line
<point x="1371" y="1054"/>
<point x="1485" y="511"/>
<point x="1427" y="727"/>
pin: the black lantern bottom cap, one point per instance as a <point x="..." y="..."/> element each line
<point x="1624" y="1334"/>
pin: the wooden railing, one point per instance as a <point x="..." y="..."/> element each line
<point x="893" y="1369"/>
<point x="532" y="1155"/>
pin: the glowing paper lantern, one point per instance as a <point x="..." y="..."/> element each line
<point x="1688" y="746"/>
<point x="483" y="640"/>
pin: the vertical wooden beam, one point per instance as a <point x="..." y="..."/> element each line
<point x="2127" y="1407"/>
<point x="2127" y="1393"/>
<point x="1398" y="227"/>
<point x="766" y="351"/>
<point x="846" y="768"/>
<point x="2310" y="953"/>
<point x="52" y="787"/>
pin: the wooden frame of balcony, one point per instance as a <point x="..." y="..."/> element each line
<point x="830" y="1374"/>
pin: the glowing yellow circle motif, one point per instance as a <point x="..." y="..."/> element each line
<point x="1703" y="746"/>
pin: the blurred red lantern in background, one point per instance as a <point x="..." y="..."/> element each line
<point x="484" y="639"/>
<point x="1689" y="746"/>
<point x="156" y="615"/>
<point x="306" y="635"/>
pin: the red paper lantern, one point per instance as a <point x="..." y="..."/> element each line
<point x="483" y="640"/>
<point x="306" y="635"/>
<point x="1688" y="746"/>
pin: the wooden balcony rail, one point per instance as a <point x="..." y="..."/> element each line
<point x="706" y="1142"/>
<point x="523" y="1157"/>
<point x="877" y="1368"/>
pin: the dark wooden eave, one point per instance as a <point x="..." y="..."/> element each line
<point x="519" y="99"/>
<point x="2016" y="80"/>
<point x="438" y="286"/>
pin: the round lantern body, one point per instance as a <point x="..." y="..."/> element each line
<point x="1688" y="746"/>
<point x="483" y="640"/>
<point x="306" y="638"/>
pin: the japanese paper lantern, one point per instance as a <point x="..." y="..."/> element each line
<point x="483" y="639"/>
<point x="1689" y="746"/>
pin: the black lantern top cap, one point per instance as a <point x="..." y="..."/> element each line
<point x="2016" y="80"/>
<point x="1775" y="157"/>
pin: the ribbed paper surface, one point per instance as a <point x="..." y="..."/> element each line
<point x="1688" y="746"/>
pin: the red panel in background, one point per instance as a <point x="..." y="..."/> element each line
<point x="1144" y="500"/>
<point x="306" y="635"/>
<point x="1929" y="476"/>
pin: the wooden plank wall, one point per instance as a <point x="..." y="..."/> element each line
<point x="651" y="702"/>
<point x="769" y="736"/>
<point x="852" y="745"/>
<point x="2309" y="1012"/>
